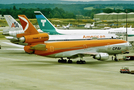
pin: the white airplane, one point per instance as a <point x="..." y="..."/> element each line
<point x="48" y="27"/>
<point x="87" y="25"/>
<point x="92" y="25"/>
<point x="16" y="28"/>
<point x="67" y="27"/>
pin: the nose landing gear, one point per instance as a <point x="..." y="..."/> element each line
<point x="115" y="59"/>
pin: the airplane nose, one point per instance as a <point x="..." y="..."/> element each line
<point x="129" y="46"/>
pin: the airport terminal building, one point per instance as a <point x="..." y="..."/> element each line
<point x="111" y="16"/>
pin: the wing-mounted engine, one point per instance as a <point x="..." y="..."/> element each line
<point x="34" y="38"/>
<point x="101" y="56"/>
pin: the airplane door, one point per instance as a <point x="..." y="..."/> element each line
<point x="51" y="49"/>
<point x="85" y="46"/>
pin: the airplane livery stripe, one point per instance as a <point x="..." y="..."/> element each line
<point x="69" y="46"/>
<point x="39" y="16"/>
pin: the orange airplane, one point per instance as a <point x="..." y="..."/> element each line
<point x="99" y="49"/>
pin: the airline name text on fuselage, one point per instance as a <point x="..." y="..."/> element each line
<point x="91" y="36"/>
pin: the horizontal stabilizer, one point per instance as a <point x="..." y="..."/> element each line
<point x="21" y="35"/>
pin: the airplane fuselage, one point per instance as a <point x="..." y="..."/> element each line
<point x="72" y="48"/>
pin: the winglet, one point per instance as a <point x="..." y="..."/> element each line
<point x="28" y="27"/>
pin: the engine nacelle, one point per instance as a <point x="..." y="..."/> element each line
<point x="101" y="56"/>
<point x="28" y="50"/>
<point x="34" y="38"/>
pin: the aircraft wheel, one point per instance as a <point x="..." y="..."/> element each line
<point x="64" y="61"/>
<point x="81" y="62"/>
<point x="69" y="61"/>
<point x="59" y="61"/>
<point x="78" y="62"/>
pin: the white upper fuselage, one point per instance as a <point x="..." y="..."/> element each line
<point x="98" y="31"/>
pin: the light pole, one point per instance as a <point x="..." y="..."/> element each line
<point x="126" y="26"/>
<point x="117" y="20"/>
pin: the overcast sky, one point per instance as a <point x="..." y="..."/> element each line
<point x="97" y="0"/>
<point x="48" y="1"/>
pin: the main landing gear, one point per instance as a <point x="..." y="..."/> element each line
<point x="81" y="61"/>
<point x="115" y="59"/>
<point x="64" y="60"/>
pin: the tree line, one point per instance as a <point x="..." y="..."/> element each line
<point x="59" y="12"/>
<point x="29" y="12"/>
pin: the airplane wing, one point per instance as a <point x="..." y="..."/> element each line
<point x="89" y="53"/>
<point x="20" y="46"/>
<point x="96" y="55"/>
<point x="14" y="44"/>
<point x="83" y="54"/>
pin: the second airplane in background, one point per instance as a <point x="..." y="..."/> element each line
<point x="48" y="27"/>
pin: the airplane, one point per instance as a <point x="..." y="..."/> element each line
<point x="99" y="49"/>
<point x="89" y="25"/>
<point x="46" y="26"/>
<point x="67" y="27"/>
<point x="92" y="25"/>
<point x="15" y="28"/>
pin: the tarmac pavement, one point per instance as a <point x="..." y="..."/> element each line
<point x="21" y="71"/>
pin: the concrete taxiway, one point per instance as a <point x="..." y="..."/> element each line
<point x="21" y="71"/>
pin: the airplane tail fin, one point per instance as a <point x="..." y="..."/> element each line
<point x="44" y="24"/>
<point x="12" y="22"/>
<point x="28" y="27"/>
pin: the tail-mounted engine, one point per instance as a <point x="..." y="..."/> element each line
<point x="34" y="38"/>
<point x="28" y="50"/>
<point x="101" y="56"/>
<point x="32" y="48"/>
